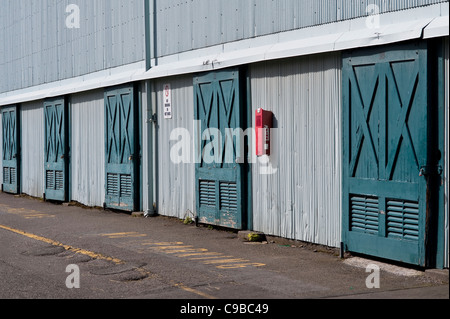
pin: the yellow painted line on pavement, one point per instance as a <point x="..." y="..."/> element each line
<point x="66" y="247"/>
<point x="166" y="243"/>
<point x="26" y="213"/>
<point x="124" y="235"/>
<point x="236" y="266"/>
<point x="221" y="256"/>
<point x="181" y="250"/>
<point x="191" y="250"/>
<point x="199" y="254"/>
<point x="169" y="248"/>
<point x="37" y="216"/>
<point x="194" y="291"/>
<point x="226" y="261"/>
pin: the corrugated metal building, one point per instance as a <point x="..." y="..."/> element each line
<point x="83" y="97"/>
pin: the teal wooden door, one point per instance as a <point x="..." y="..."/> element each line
<point x="219" y="171"/>
<point x="11" y="150"/>
<point x="121" y="149"/>
<point x="385" y="108"/>
<point x="56" y="150"/>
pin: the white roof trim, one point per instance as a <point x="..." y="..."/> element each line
<point x="437" y="28"/>
<point x="385" y="34"/>
<point x="97" y="80"/>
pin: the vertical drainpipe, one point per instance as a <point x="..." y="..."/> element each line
<point x="150" y="54"/>
<point x="150" y="33"/>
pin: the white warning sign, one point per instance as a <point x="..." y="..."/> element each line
<point x="167" y="101"/>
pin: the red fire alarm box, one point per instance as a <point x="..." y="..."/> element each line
<point x="264" y="122"/>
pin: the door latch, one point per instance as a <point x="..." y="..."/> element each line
<point x="423" y="171"/>
<point x="153" y="119"/>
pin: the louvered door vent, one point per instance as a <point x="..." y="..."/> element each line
<point x="50" y="179"/>
<point x="403" y="219"/>
<point x="126" y="189"/>
<point x="364" y="213"/>
<point x="228" y="196"/>
<point x="8" y="175"/>
<point x="207" y="193"/>
<point x="59" y="180"/>
<point x="112" y="187"/>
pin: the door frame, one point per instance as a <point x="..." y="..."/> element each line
<point x="66" y="151"/>
<point x="435" y="237"/>
<point x="245" y="172"/>
<point x="432" y="252"/>
<point x="9" y="188"/>
<point x="137" y="140"/>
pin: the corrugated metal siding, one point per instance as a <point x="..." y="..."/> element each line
<point x="175" y="182"/>
<point x="447" y="154"/>
<point x="188" y="25"/>
<point x="38" y="48"/>
<point x="88" y="148"/>
<point x="33" y="139"/>
<point x="302" y="200"/>
<point x="358" y="8"/>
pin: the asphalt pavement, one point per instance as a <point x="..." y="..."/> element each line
<point x="127" y="256"/>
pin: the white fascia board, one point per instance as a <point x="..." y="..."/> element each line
<point x="303" y="46"/>
<point x="437" y="28"/>
<point x="93" y="81"/>
<point x="384" y="34"/>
